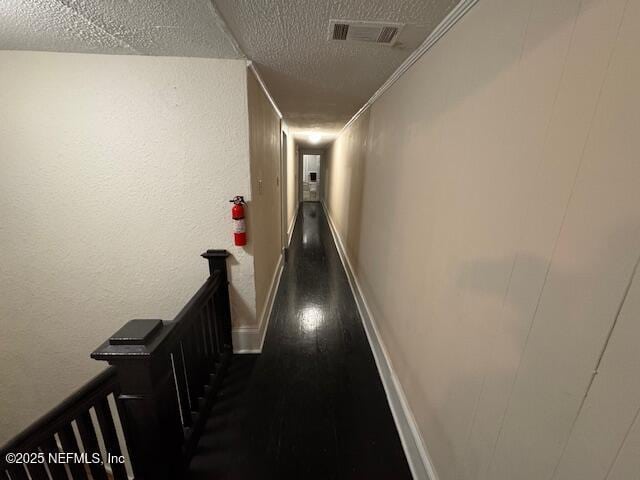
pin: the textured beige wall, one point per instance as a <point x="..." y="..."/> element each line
<point x="116" y="173"/>
<point x="344" y="173"/>
<point x="493" y="218"/>
<point x="264" y="209"/>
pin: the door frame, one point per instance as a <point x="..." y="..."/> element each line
<point x="301" y="154"/>
<point x="284" y="220"/>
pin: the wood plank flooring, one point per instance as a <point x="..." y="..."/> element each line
<point x="311" y="405"/>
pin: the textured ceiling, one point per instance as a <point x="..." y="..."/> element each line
<point x="317" y="83"/>
<point x="149" y="27"/>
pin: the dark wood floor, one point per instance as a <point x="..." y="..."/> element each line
<point x="312" y="405"/>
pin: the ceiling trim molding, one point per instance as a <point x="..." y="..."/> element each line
<point x="443" y="27"/>
<point x="253" y="68"/>
<point x="222" y="25"/>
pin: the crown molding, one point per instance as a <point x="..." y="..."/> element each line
<point x="443" y="27"/>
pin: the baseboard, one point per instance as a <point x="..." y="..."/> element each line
<point x="417" y="456"/>
<point x="251" y="339"/>
<point x="246" y="339"/>
<point x="292" y="225"/>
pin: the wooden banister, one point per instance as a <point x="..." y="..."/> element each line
<point x="53" y="433"/>
<point x="168" y="373"/>
<point x="163" y="379"/>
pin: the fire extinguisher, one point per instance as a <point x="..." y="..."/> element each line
<point x="239" y="226"/>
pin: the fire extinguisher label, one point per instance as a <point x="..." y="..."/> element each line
<point x="238" y="226"/>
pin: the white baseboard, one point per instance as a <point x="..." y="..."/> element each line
<point x="418" y="458"/>
<point x="251" y="339"/>
<point x="292" y="225"/>
<point x="246" y="339"/>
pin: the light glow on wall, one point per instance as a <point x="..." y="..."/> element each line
<point x="315" y="138"/>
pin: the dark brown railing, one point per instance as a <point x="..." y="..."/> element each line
<point x="150" y="406"/>
<point x="54" y="434"/>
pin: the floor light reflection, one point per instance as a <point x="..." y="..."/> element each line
<point x="311" y="318"/>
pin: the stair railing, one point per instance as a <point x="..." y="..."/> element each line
<point x="150" y="405"/>
<point x="44" y="446"/>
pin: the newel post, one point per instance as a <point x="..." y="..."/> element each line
<point x="151" y="420"/>
<point x="218" y="263"/>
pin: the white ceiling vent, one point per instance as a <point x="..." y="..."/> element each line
<point x="384" y="33"/>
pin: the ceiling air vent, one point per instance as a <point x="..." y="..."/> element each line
<point x="387" y="34"/>
<point x="340" y="31"/>
<point x="383" y="33"/>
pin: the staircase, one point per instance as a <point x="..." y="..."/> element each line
<point x="142" y="416"/>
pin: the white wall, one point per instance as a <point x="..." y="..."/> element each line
<point x="490" y="207"/>
<point x="292" y="180"/>
<point x="116" y="173"/>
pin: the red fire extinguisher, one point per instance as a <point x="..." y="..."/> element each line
<point x="239" y="226"/>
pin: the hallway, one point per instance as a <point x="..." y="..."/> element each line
<point x="312" y="404"/>
<point x="475" y="163"/>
